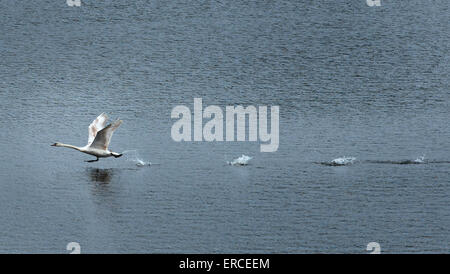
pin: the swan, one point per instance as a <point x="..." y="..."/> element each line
<point x="99" y="139"/>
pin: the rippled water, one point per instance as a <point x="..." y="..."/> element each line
<point x="351" y="80"/>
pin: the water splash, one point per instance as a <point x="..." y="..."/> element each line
<point x="420" y="160"/>
<point x="241" y="161"/>
<point x="342" y="161"/>
<point x="134" y="157"/>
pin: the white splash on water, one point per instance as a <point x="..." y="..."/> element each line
<point x="133" y="156"/>
<point x="241" y="161"/>
<point x="343" y="161"/>
<point x="420" y="160"/>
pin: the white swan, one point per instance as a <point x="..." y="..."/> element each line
<point x="99" y="139"/>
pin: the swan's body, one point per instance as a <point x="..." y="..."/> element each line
<point x="99" y="139"/>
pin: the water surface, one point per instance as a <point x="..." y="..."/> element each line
<point x="351" y="80"/>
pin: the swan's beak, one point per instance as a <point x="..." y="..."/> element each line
<point x="53" y="145"/>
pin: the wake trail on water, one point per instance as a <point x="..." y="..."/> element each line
<point x="134" y="157"/>
<point x="417" y="161"/>
<point x="346" y="161"/>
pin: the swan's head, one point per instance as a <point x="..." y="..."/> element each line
<point x="56" y="145"/>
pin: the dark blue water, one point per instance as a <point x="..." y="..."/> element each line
<point x="350" y="80"/>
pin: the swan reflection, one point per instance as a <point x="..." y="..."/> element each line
<point x="100" y="175"/>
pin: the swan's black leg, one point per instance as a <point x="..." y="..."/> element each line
<point x="91" y="161"/>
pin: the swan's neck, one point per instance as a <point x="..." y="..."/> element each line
<point x="69" y="146"/>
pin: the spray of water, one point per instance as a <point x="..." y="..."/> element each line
<point x="241" y="161"/>
<point x="420" y="160"/>
<point x="343" y="161"/>
<point x="134" y="157"/>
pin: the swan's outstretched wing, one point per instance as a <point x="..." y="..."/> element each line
<point x="103" y="137"/>
<point x="98" y="124"/>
